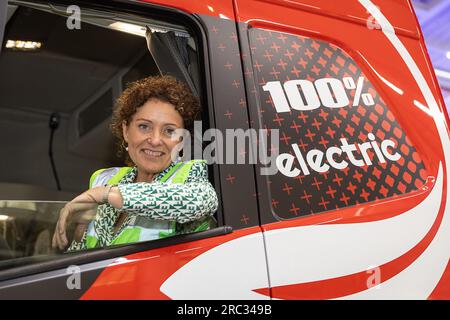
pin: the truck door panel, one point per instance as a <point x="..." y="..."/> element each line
<point x="216" y="263"/>
<point x="353" y="229"/>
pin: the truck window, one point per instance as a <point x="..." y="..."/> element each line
<point x="62" y="68"/>
<point x="340" y="144"/>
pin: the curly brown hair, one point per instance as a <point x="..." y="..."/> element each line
<point x="164" y="88"/>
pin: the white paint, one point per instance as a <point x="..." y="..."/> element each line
<point x="419" y="279"/>
<point x="229" y="271"/>
<point x="304" y="254"/>
<point x="318" y="252"/>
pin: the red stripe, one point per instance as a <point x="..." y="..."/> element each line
<point x="442" y="290"/>
<point x="357" y="282"/>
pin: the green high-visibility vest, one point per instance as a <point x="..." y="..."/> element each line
<point x="143" y="228"/>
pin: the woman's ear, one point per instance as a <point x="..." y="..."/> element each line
<point x="125" y="131"/>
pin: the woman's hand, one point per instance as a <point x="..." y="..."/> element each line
<point x="81" y="213"/>
<point x="82" y="210"/>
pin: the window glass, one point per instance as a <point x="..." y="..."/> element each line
<point x="26" y="228"/>
<point x="340" y="144"/>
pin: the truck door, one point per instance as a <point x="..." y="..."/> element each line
<point x="108" y="49"/>
<point x="358" y="205"/>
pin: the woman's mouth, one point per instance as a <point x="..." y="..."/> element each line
<point x="153" y="153"/>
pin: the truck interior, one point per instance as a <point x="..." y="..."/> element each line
<point x="58" y="82"/>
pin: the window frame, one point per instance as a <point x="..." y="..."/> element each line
<point x="42" y="264"/>
<point x="3" y="13"/>
<point x="39" y="264"/>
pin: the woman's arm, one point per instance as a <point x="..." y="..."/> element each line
<point x="169" y="201"/>
<point x="165" y="201"/>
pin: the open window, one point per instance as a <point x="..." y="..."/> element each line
<point x="59" y="79"/>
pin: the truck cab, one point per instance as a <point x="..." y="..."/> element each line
<point x="331" y="174"/>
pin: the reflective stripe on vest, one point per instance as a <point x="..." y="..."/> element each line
<point x="103" y="177"/>
<point x="177" y="174"/>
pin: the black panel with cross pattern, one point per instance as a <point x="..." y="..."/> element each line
<point x="275" y="56"/>
<point x="230" y="108"/>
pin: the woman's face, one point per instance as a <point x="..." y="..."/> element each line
<point x="150" y="135"/>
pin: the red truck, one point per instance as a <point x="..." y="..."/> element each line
<point x="357" y="205"/>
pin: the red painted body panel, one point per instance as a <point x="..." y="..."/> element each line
<point x="344" y="24"/>
<point x="370" y="49"/>
<point x="357" y="282"/>
<point x="140" y="276"/>
<point x="442" y="290"/>
<point x="350" y="11"/>
<point x="214" y="8"/>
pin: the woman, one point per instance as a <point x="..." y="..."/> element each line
<point x="157" y="196"/>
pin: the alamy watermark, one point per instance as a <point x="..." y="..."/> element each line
<point x="374" y="278"/>
<point x="73" y="282"/>
<point x="233" y="146"/>
<point x="73" y="21"/>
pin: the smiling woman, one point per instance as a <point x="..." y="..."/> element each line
<point x="158" y="195"/>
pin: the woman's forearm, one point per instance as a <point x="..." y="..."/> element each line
<point x="165" y="201"/>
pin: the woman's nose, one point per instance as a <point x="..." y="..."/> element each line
<point x="154" y="138"/>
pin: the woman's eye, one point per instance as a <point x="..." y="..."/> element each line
<point x="169" y="131"/>
<point x="143" y="126"/>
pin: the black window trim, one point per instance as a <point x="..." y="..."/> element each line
<point x="45" y="263"/>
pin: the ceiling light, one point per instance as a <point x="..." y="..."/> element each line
<point x="448" y="55"/>
<point x="3" y="217"/>
<point x="129" y="28"/>
<point x="23" y="45"/>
